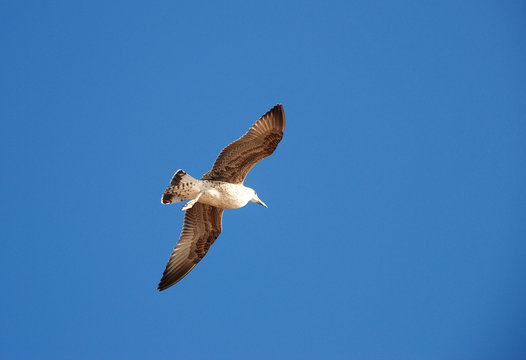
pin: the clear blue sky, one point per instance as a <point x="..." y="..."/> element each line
<point x="396" y="225"/>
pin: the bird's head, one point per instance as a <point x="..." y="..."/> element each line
<point x="256" y="199"/>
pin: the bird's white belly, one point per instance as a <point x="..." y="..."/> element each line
<point x="223" y="195"/>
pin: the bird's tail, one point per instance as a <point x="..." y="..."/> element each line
<point x="182" y="187"/>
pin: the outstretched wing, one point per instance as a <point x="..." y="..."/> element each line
<point x="235" y="161"/>
<point x="201" y="227"/>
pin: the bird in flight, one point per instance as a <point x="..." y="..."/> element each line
<point x="220" y="188"/>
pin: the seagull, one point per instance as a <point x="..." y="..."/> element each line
<point x="220" y="188"/>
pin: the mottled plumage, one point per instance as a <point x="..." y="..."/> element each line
<point x="235" y="161"/>
<point x="223" y="187"/>
<point x="201" y="227"/>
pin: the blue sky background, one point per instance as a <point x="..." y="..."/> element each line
<point x="396" y="225"/>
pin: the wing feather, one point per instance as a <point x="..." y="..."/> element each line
<point x="201" y="227"/>
<point x="235" y="161"/>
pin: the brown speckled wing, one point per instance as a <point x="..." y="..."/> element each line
<point x="201" y="227"/>
<point x="236" y="160"/>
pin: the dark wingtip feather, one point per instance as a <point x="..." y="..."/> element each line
<point x="278" y="114"/>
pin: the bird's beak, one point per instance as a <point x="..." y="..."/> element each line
<point x="261" y="202"/>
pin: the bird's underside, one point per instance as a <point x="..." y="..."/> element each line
<point x="220" y="194"/>
<point x="202" y="222"/>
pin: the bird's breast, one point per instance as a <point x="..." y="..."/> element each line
<point x="223" y="195"/>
